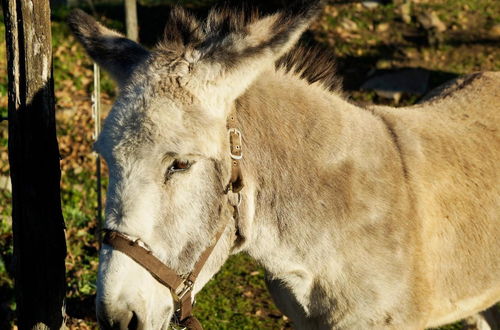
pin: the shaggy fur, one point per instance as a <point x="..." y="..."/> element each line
<point x="374" y="218"/>
<point x="313" y="64"/>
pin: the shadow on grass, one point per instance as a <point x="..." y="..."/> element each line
<point x="82" y="307"/>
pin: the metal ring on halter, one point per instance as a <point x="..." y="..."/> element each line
<point x="187" y="286"/>
<point x="239" y="200"/>
<point x="175" y="322"/>
<point x="240" y="136"/>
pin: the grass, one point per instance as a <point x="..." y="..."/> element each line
<point x="236" y="297"/>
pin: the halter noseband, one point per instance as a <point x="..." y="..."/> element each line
<point x="181" y="286"/>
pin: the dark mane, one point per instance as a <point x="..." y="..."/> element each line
<point x="312" y="63"/>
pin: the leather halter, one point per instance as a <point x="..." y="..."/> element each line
<point x="181" y="286"/>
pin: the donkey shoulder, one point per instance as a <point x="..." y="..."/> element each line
<point x="450" y="145"/>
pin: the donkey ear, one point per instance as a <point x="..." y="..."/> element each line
<point x="112" y="51"/>
<point x="238" y="57"/>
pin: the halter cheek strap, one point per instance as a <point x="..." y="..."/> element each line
<point x="181" y="286"/>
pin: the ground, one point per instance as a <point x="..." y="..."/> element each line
<point x="423" y="41"/>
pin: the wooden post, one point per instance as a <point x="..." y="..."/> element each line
<point x="131" y="19"/>
<point x="96" y="114"/>
<point x="37" y="221"/>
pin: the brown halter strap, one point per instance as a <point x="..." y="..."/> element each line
<point x="181" y="287"/>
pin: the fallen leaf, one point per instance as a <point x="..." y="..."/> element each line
<point x="495" y="31"/>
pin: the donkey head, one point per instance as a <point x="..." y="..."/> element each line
<point x="166" y="145"/>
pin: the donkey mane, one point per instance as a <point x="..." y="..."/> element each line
<point x="314" y="64"/>
<point x="184" y="30"/>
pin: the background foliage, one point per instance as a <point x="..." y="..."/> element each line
<point x="442" y="38"/>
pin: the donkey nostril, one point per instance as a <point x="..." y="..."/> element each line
<point x="133" y="324"/>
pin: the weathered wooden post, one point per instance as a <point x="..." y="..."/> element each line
<point x="131" y="19"/>
<point x="38" y="225"/>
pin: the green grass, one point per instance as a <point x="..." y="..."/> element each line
<point x="237" y="298"/>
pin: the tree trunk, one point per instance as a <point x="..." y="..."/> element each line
<point x="37" y="221"/>
<point x="131" y="19"/>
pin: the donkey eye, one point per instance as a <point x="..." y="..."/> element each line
<point x="177" y="166"/>
<point x="180" y="165"/>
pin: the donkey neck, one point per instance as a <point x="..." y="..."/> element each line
<point x="303" y="145"/>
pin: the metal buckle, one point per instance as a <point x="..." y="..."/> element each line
<point x="238" y="133"/>
<point x="188" y="286"/>
<point x="238" y="203"/>
<point x="176" y="326"/>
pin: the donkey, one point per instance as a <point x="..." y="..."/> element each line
<point x="364" y="218"/>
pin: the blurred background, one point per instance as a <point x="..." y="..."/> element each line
<point x="387" y="52"/>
